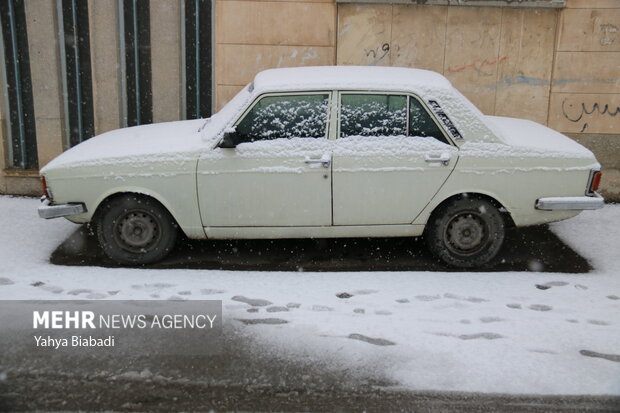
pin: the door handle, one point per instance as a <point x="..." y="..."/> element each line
<point x="324" y="161"/>
<point x="444" y="158"/>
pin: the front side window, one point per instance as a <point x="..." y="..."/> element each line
<point x="373" y="115"/>
<point x="288" y="116"/>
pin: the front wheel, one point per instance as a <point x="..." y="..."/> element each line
<point x="466" y="233"/>
<point x="136" y="230"/>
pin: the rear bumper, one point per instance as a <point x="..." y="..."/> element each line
<point x="48" y="211"/>
<point x="570" y="203"/>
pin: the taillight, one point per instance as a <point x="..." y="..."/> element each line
<point x="44" y="187"/>
<point x="595" y="182"/>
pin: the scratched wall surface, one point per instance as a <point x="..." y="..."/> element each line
<point x="501" y="59"/>
<point x="560" y="68"/>
<point x="585" y="94"/>
<point x="255" y="35"/>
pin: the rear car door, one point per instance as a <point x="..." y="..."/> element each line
<point x="389" y="160"/>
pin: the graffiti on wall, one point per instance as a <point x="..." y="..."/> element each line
<point x="582" y="113"/>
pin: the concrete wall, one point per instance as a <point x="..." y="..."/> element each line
<point x="256" y="35"/>
<point x="556" y="67"/>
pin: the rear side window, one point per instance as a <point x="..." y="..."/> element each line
<point x="373" y="115"/>
<point x="421" y="123"/>
<point x="287" y="116"/>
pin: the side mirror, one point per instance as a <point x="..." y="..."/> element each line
<point x="230" y="140"/>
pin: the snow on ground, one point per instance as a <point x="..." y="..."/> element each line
<point x="486" y="332"/>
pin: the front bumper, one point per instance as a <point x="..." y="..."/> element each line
<point x="570" y="203"/>
<point x="48" y="211"/>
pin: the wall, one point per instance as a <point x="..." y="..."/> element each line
<point x="256" y="35"/>
<point x="556" y="67"/>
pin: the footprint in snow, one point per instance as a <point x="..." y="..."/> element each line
<point x="572" y="321"/>
<point x="540" y="307"/>
<point x="514" y="306"/>
<point x="365" y="292"/>
<point x="276" y="309"/>
<point x="613" y="297"/>
<point x="598" y="322"/>
<point x="321" y="308"/>
<point x="610" y="357"/>
<point x="541" y="351"/>
<point x="383" y="312"/>
<point x="186" y="292"/>
<point x="402" y="300"/>
<point x="359" y="311"/>
<point x="253" y="321"/>
<point x="427" y="297"/>
<point x="550" y="284"/>
<point x="211" y="291"/>
<point x="344" y="295"/>
<point x="469" y="299"/>
<point x="293" y="305"/>
<point x="49" y="288"/>
<point x="581" y="287"/>
<point x="6" y="281"/>
<point x="487" y="336"/>
<point x="252" y="310"/>
<point x="79" y="291"/>
<point x="491" y="319"/>
<point x="254" y="302"/>
<point x="476" y="336"/>
<point x="371" y="340"/>
<point x="152" y="287"/>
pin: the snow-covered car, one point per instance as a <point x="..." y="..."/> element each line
<point x="320" y="152"/>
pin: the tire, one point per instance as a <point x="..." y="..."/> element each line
<point x="135" y="230"/>
<point x="466" y="233"/>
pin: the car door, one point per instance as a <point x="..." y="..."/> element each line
<point x="280" y="175"/>
<point x="389" y="160"/>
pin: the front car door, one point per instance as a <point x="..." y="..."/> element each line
<point x="389" y="160"/>
<point x="280" y="175"/>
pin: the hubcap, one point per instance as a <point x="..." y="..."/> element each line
<point x="137" y="231"/>
<point x="466" y="233"/>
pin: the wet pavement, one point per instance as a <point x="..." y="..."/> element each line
<point x="248" y="377"/>
<point x="242" y="378"/>
<point x="525" y="249"/>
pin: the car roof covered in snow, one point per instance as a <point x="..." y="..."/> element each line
<point x="348" y="77"/>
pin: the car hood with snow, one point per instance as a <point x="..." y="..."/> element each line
<point x="168" y="141"/>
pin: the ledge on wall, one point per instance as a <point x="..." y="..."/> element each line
<point x="538" y="4"/>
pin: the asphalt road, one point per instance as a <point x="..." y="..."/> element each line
<point x="243" y="378"/>
<point x="524" y="249"/>
<point x="239" y="379"/>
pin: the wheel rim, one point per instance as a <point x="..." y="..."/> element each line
<point x="137" y="231"/>
<point x="466" y="233"/>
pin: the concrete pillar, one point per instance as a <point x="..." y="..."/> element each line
<point x="45" y="74"/>
<point x="166" y="59"/>
<point x="105" y="62"/>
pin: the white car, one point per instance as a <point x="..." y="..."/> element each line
<point x="320" y="152"/>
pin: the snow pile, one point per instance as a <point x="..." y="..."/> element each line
<point x="486" y="332"/>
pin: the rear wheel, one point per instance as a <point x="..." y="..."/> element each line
<point x="135" y="230"/>
<point x="468" y="232"/>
